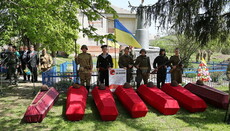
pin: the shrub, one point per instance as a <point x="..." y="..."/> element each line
<point x="190" y="75"/>
<point x="63" y="85"/>
<point x="215" y="76"/>
<point x="226" y="51"/>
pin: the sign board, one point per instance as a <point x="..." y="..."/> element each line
<point x="117" y="76"/>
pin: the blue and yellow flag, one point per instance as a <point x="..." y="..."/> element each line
<point x="123" y="35"/>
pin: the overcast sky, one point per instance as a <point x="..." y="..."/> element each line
<point x="124" y="4"/>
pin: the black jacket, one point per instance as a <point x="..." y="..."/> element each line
<point x="104" y="63"/>
<point x="32" y="59"/>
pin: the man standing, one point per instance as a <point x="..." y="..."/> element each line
<point x="86" y="65"/>
<point x="126" y="62"/>
<point x="104" y="64"/>
<point x="176" y="67"/>
<point x="33" y="62"/>
<point x="143" y="66"/>
<point x="12" y="62"/>
<point x="45" y="61"/>
<point x="24" y="63"/>
<point x="160" y="65"/>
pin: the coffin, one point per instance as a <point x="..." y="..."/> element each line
<point x="76" y="103"/>
<point x="40" y="106"/>
<point x="131" y="101"/>
<point x="211" y="95"/>
<point x="105" y="104"/>
<point x="158" y="99"/>
<point x="185" y="98"/>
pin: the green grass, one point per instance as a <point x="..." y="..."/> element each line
<point x="15" y="101"/>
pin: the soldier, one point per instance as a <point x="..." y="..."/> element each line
<point x="176" y="66"/>
<point x="160" y="65"/>
<point x="45" y="61"/>
<point x="104" y="64"/>
<point x="126" y="62"/>
<point x="86" y="65"/>
<point x="12" y="64"/>
<point x="143" y="66"/>
<point x="131" y="52"/>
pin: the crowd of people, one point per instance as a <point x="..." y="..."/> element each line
<point x="127" y="61"/>
<point x="25" y="61"/>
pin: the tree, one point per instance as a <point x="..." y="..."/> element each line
<point x="53" y="24"/>
<point x="203" y="20"/>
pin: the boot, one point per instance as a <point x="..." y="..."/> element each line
<point x="88" y="87"/>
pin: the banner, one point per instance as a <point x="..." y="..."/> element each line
<point x="117" y="77"/>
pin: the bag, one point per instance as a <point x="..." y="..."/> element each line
<point x="27" y="71"/>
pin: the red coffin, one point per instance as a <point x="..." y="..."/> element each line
<point x="40" y="106"/>
<point x="209" y="94"/>
<point x="76" y="103"/>
<point x="131" y="101"/>
<point x="186" y="99"/>
<point x="105" y="104"/>
<point x="158" y="99"/>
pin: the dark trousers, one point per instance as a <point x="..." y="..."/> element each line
<point x="24" y="74"/>
<point x="141" y="76"/>
<point x="104" y="77"/>
<point x="34" y="73"/>
<point x="12" y="72"/>
<point x="161" y="76"/>
<point x="128" y="75"/>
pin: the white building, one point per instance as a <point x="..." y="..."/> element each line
<point x="106" y="25"/>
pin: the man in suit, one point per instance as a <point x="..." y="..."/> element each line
<point x="23" y="59"/>
<point x="33" y="61"/>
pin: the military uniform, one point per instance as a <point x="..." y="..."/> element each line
<point x="160" y="62"/>
<point x="12" y="62"/>
<point x="131" y="54"/>
<point x="126" y="61"/>
<point x="86" y="65"/>
<point x="103" y="63"/>
<point x="143" y="66"/>
<point x="176" y="74"/>
<point x="45" y="61"/>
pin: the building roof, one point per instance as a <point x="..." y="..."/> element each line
<point x="121" y="10"/>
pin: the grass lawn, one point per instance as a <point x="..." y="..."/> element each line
<point x="14" y="102"/>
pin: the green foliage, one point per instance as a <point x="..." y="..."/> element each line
<point x="190" y="75"/>
<point x="202" y="20"/>
<point x="63" y="85"/>
<point x="226" y="51"/>
<point x="52" y="23"/>
<point x="215" y="76"/>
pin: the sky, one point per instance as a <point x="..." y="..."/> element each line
<point x="124" y="4"/>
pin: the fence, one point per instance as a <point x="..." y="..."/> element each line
<point x="68" y="72"/>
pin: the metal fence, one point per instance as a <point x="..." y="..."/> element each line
<point x="68" y="72"/>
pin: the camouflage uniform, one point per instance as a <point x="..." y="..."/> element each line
<point x="86" y="65"/>
<point x="12" y="62"/>
<point x="143" y="71"/>
<point x="125" y="61"/>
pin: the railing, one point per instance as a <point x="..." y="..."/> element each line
<point x="69" y="73"/>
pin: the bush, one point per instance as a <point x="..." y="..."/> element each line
<point x="226" y="51"/>
<point x="190" y="75"/>
<point x="215" y="76"/>
<point x="63" y="85"/>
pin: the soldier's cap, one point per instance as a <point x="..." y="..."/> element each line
<point x="174" y="83"/>
<point x="103" y="46"/>
<point x="143" y="50"/>
<point x="84" y="47"/>
<point x="162" y="49"/>
<point x="150" y="84"/>
<point x="200" y="82"/>
<point x="126" y="85"/>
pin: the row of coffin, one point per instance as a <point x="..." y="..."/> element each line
<point x="166" y="100"/>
